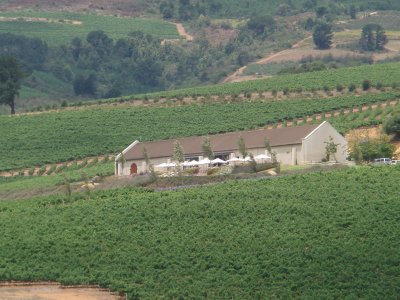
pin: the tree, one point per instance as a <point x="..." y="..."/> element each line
<point x="207" y="150"/>
<point x="179" y="155"/>
<point x="309" y="24"/>
<point x="363" y="147"/>
<point x="261" y="26"/>
<point x="267" y="145"/>
<point x="100" y="42"/>
<point x="167" y="9"/>
<point x="353" y="12"/>
<point x="283" y="10"/>
<point x="392" y="126"/>
<point x="330" y="149"/>
<point x="321" y="11"/>
<point x="322" y="36"/>
<point x="242" y="147"/>
<point x="149" y="165"/>
<point x="373" y="37"/>
<point x="10" y="81"/>
<point x="85" y="86"/>
<point x="122" y="161"/>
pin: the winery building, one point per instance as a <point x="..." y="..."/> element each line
<point x="292" y="145"/>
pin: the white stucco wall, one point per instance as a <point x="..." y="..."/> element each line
<point x="289" y="155"/>
<point x="314" y="144"/>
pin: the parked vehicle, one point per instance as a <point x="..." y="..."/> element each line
<point x="383" y="161"/>
<point x="396" y="162"/>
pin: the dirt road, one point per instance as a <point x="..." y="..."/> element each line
<point x="54" y="292"/>
<point x="182" y="32"/>
<point x="266" y="59"/>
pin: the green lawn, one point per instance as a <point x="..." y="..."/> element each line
<point x="316" y="236"/>
<point x="57" y="28"/>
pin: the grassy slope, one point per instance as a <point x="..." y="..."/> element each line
<point x="51" y="137"/>
<point x="331" y="235"/>
<point x="62" y="32"/>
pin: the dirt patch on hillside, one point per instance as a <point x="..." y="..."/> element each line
<point x="220" y="36"/>
<point x="55" y="292"/>
<point x="182" y="32"/>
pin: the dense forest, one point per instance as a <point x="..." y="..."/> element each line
<point x="101" y="67"/>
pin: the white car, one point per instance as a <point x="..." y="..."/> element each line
<point x="383" y="161"/>
<point x="396" y="162"/>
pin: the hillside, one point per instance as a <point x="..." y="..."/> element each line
<point x="73" y="65"/>
<point x="29" y="140"/>
<point x="386" y="74"/>
<point x="219" y="8"/>
<point x="329" y="235"/>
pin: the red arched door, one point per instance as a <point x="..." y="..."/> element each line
<point x="133" y="169"/>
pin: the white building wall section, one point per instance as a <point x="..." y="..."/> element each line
<point x="314" y="144"/>
<point x="289" y="155"/>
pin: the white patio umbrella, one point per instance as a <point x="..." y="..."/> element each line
<point x="169" y="165"/>
<point x="193" y="163"/>
<point x="235" y="159"/>
<point x="190" y="163"/>
<point x="163" y="165"/>
<point x="218" y="161"/>
<point x="185" y="164"/>
<point x="262" y="157"/>
<point x="205" y="161"/>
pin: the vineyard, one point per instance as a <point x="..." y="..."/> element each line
<point x="380" y="74"/>
<point x="20" y="183"/>
<point x="60" y="28"/>
<point x="330" y="235"/>
<point x="30" y="140"/>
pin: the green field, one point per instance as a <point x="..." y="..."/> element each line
<point x="57" y="28"/>
<point x="329" y="236"/>
<point x="29" y="140"/>
<point x="387" y="74"/>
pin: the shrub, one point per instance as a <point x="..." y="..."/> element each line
<point x="339" y="88"/>
<point x="379" y="86"/>
<point x="352" y="87"/>
<point x="31" y="171"/>
<point x="366" y="85"/>
<point x="42" y="170"/>
<point x="286" y="91"/>
<point x="191" y="171"/>
<point x="212" y="171"/>
<point x="392" y="126"/>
